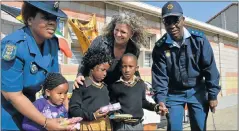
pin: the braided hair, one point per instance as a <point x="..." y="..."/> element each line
<point x="52" y="81"/>
<point x="94" y="56"/>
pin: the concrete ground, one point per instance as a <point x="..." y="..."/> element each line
<point x="225" y="118"/>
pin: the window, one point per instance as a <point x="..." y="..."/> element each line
<point x="147" y="60"/>
<point x="60" y="57"/>
<point x="76" y="57"/>
<point x="151" y="39"/>
<point x="149" y="42"/>
<point x="60" y="27"/>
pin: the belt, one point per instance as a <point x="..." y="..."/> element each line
<point x="132" y="122"/>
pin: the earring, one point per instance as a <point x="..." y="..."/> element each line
<point x="46" y="96"/>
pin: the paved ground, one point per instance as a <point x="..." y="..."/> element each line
<point x="225" y="118"/>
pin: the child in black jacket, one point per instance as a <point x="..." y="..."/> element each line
<point x="87" y="100"/>
<point x="129" y="91"/>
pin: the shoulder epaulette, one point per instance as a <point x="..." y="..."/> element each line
<point x="16" y="36"/>
<point x="196" y="32"/>
<point x="161" y="40"/>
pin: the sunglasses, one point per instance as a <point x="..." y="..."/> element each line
<point x="175" y="20"/>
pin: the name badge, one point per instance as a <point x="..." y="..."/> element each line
<point x="34" y="68"/>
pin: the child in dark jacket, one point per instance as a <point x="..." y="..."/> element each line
<point x="129" y="91"/>
<point x="87" y="100"/>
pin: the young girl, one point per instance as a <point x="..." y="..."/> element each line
<point x="52" y="105"/>
<point x="87" y="100"/>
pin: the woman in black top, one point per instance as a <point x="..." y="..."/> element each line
<point x="124" y="34"/>
<point x="87" y="100"/>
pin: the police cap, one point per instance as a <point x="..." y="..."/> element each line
<point x="51" y="7"/>
<point x="172" y="8"/>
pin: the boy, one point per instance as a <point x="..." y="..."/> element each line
<point x="129" y="91"/>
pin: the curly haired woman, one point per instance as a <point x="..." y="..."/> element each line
<point x="124" y="34"/>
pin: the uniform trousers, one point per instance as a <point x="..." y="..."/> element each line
<point x="198" y="108"/>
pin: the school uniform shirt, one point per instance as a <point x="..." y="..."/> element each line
<point x="48" y="110"/>
<point x="131" y="96"/>
<point x="24" y="69"/>
<point x="87" y="99"/>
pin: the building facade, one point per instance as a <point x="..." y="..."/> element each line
<point x="224" y="42"/>
<point x="227" y="18"/>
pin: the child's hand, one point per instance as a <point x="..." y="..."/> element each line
<point x="66" y="121"/>
<point x="99" y="114"/>
<point x="161" y="109"/>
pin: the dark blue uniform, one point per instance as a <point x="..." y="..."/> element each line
<point x="185" y="74"/>
<point x="24" y="69"/>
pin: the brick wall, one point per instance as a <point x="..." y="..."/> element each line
<point x="226" y="56"/>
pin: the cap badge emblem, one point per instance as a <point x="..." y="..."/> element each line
<point x="56" y="5"/>
<point x="170" y="6"/>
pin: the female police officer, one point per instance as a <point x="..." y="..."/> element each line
<point x="27" y="56"/>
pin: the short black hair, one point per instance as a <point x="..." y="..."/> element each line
<point x="28" y="11"/>
<point x="94" y="56"/>
<point x="52" y="81"/>
<point x="130" y="55"/>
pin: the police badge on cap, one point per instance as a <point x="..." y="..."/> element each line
<point x="172" y="8"/>
<point x="56" y="5"/>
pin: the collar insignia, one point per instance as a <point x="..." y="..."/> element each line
<point x="167" y="53"/>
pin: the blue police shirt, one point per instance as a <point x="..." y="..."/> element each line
<point x="178" y="68"/>
<point x="24" y="69"/>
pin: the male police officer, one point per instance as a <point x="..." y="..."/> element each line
<point x="184" y="71"/>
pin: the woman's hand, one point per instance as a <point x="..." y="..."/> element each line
<point x="62" y="123"/>
<point x="79" y="80"/>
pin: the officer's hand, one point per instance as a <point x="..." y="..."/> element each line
<point x="163" y="109"/>
<point x="213" y="105"/>
<point x="62" y="123"/>
<point x="78" y="80"/>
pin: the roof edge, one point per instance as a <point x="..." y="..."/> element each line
<point x="221" y="12"/>
<point x="155" y="11"/>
